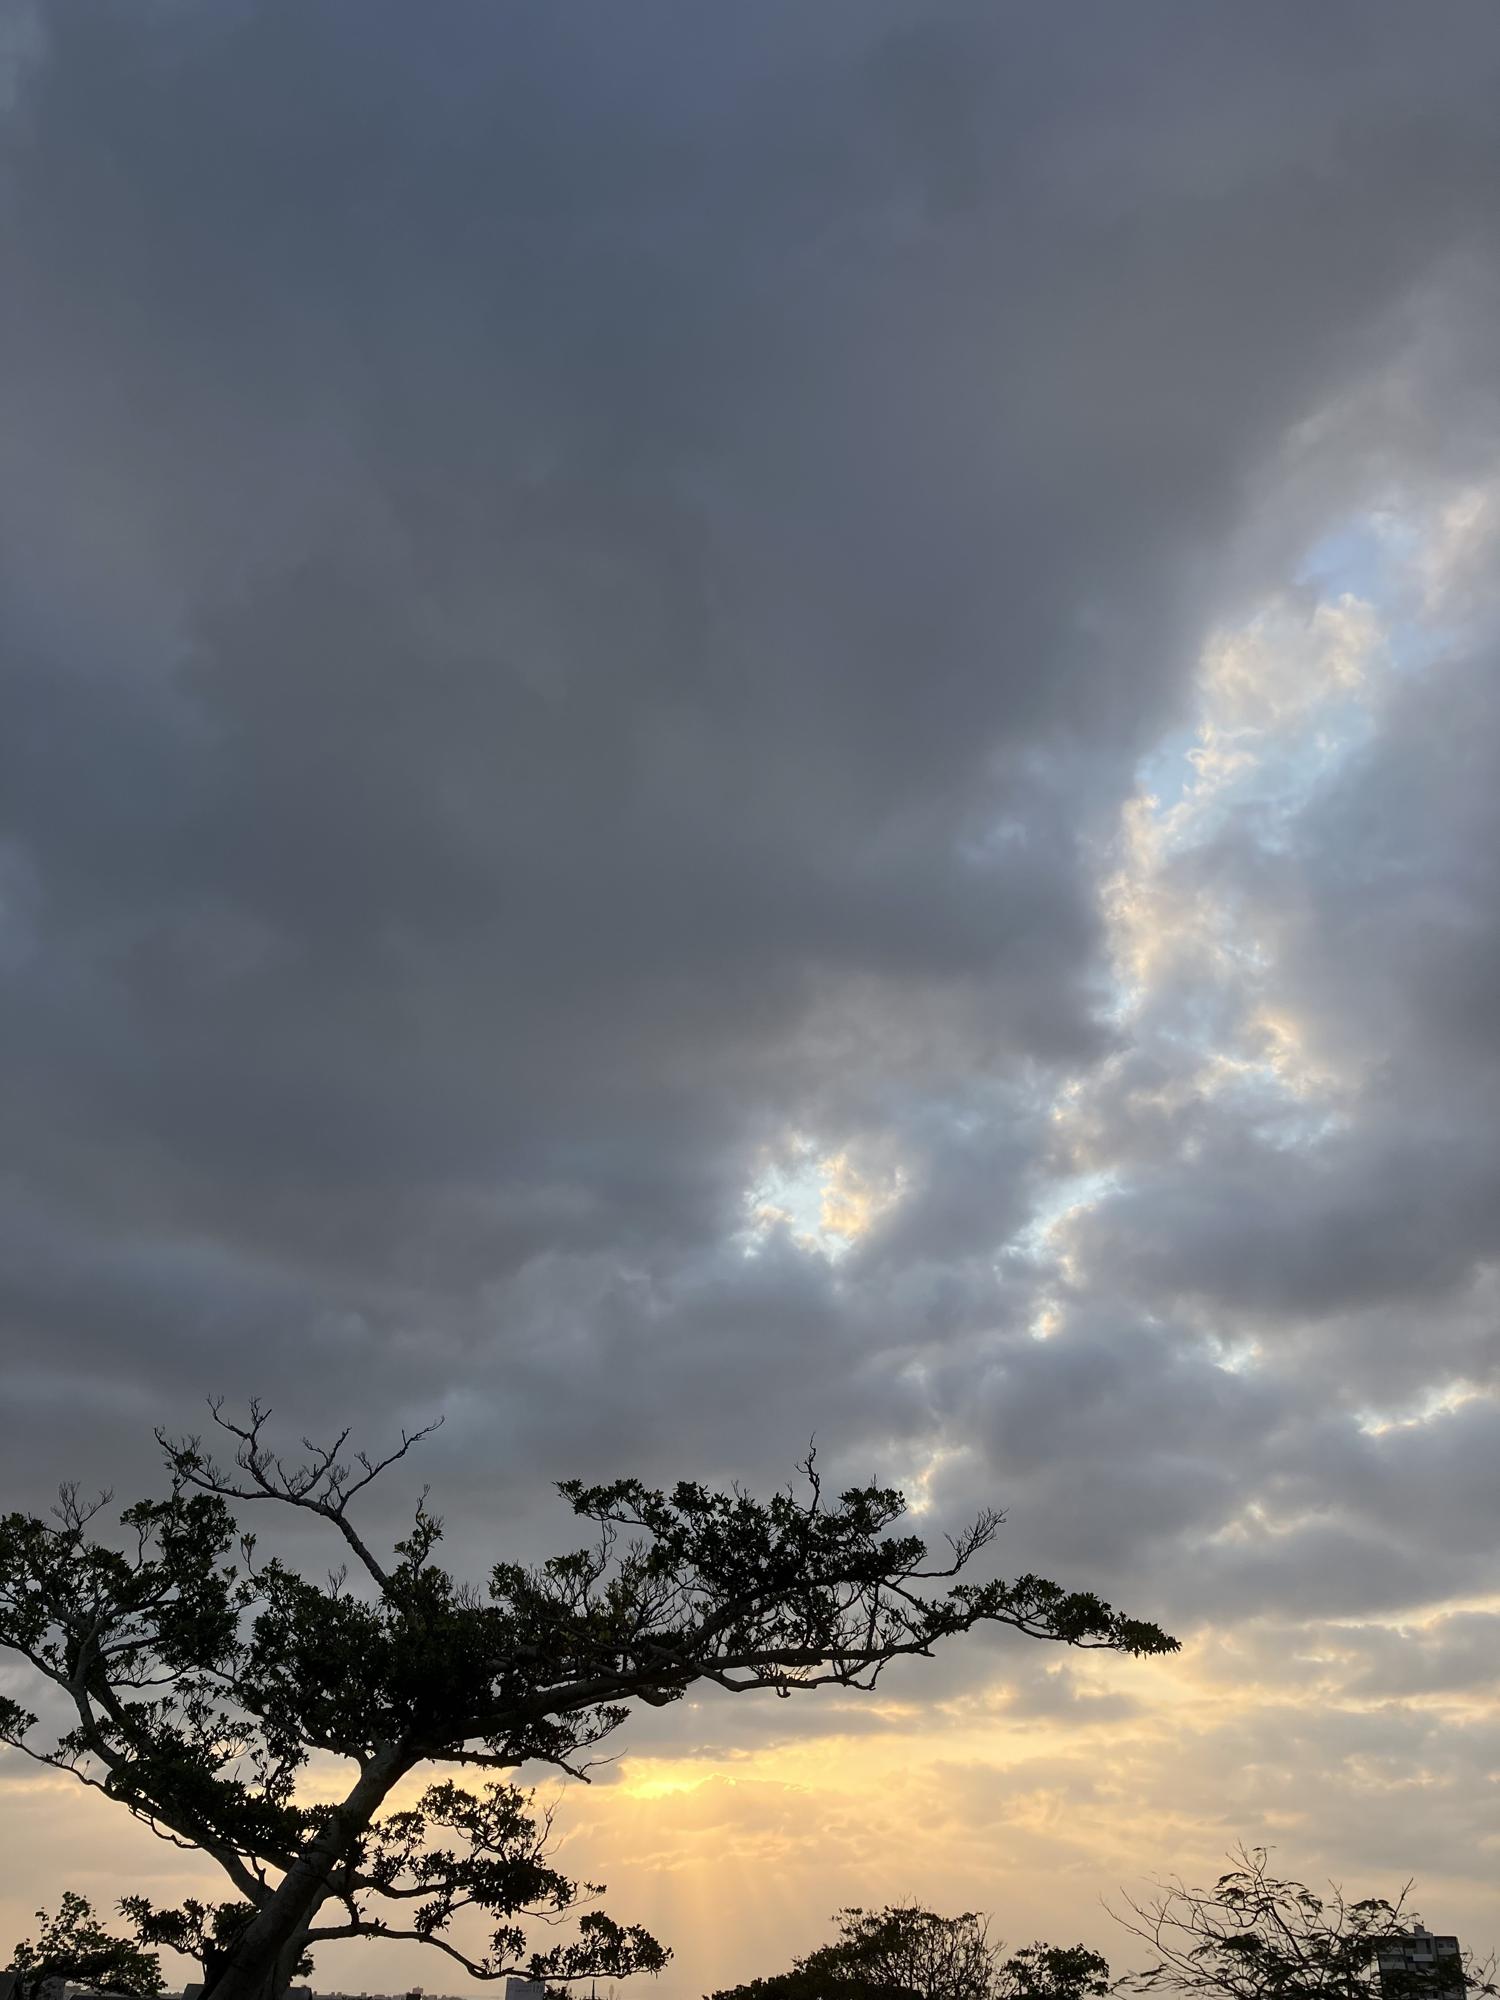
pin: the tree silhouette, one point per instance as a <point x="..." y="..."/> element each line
<point x="199" y="1678"/>
<point x="75" y="1946"/>
<point x="1255" y="1936"/>
<point x="904" y="1952"/>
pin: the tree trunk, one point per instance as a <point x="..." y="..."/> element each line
<point x="263" y="1959"/>
<point x="284" y="1971"/>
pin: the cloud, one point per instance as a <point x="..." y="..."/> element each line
<point x="723" y="729"/>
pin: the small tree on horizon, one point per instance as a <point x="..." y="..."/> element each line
<point x="1256" y="1936"/>
<point x="75" y="1946"/>
<point x="200" y="1678"/>
<point x="1053" y="1972"/>
<point x="904" y="1952"/>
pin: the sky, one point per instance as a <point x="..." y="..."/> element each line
<point x="725" y="724"/>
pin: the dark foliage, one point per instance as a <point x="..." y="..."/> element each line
<point x="904" y="1952"/>
<point x="199" y="1678"/>
<point x="1254" y="1936"/>
<point x="75" y="1946"/>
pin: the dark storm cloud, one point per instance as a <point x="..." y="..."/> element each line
<point x="582" y="592"/>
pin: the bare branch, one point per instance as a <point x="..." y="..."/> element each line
<point x="321" y="1486"/>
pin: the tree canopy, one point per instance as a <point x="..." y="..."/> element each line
<point x="74" y="1945"/>
<point x="1257" y="1936"/>
<point x="198" y="1677"/>
<point x="903" y="1952"/>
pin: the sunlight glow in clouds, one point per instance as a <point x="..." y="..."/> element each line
<point x="825" y="1200"/>
<point x="1284" y="701"/>
<point x="719" y="731"/>
<point x="1280" y="702"/>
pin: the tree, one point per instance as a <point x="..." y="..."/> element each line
<point x="204" y="1931"/>
<point x="1053" y="1972"/>
<point x="75" y="1946"/>
<point x="892" y="1953"/>
<point x="904" y="1952"/>
<point x="1253" y="1936"/>
<point x="198" y="1678"/>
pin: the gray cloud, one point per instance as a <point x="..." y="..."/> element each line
<point x="581" y="599"/>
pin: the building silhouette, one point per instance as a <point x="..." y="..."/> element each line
<point x="1420" y="1963"/>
